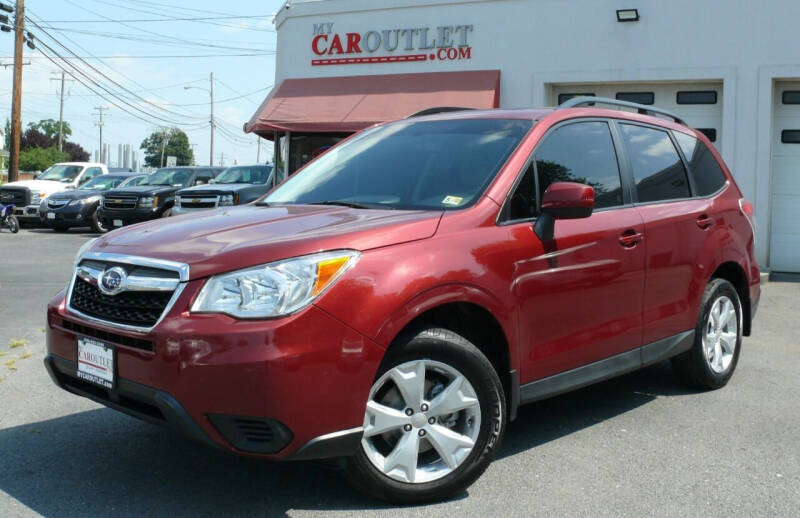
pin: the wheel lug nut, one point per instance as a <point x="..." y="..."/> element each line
<point x="424" y="407"/>
<point x="407" y="428"/>
<point x="422" y="433"/>
<point x="431" y="420"/>
<point x="409" y="411"/>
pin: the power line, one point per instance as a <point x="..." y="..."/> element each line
<point x="162" y="56"/>
<point x="142" y="20"/>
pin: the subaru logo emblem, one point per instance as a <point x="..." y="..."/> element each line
<point x="112" y="281"/>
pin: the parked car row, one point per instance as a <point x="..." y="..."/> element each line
<point x="88" y="195"/>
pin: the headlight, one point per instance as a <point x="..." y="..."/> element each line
<point x="274" y="289"/>
<point x="83" y="249"/>
<point x="36" y="197"/>
<point x="226" y="200"/>
<point x="147" y="201"/>
<point x="177" y="201"/>
<point x="75" y="202"/>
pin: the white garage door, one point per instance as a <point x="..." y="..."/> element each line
<point x="785" y="228"/>
<point x="700" y="104"/>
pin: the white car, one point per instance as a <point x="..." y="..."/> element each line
<point x="27" y="195"/>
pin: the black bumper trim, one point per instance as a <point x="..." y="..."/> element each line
<point x="134" y="399"/>
<point x="343" y="443"/>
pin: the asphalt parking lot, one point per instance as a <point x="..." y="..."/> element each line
<point x="640" y="445"/>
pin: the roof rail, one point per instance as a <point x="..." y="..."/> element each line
<point x="641" y="108"/>
<point x="438" y="109"/>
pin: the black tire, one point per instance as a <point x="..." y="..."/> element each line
<point x="693" y="366"/>
<point x="13" y="224"/>
<point x="447" y="347"/>
<point x="60" y="228"/>
<point x="97" y="223"/>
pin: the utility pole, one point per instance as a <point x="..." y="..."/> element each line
<point x="211" y="154"/>
<point x="16" y="102"/>
<point x="61" y="113"/>
<point x="258" y="150"/>
<point x="100" y="124"/>
<point x="163" y="146"/>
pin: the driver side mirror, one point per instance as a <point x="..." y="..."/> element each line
<point x="563" y="200"/>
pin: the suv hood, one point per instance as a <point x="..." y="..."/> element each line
<point x="228" y="239"/>
<point x="216" y="188"/>
<point x="45" y="186"/>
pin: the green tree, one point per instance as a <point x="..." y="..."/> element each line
<point x="173" y="142"/>
<point x="7" y="134"/>
<point x="39" y="159"/>
<point x="50" y="128"/>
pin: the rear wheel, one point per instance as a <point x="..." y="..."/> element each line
<point x="13" y="224"/>
<point x="434" y="419"/>
<point x="718" y="337"/>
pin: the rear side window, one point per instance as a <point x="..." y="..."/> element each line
<point x="657" y="168"/>
<point x="706" y="173"/>
<point x="581" y="152"/>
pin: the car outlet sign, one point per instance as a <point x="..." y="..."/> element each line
<point x="393" y="45"/>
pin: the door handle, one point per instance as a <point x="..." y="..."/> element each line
<point x="704" y="222"/>
<point x="630" y="238"/>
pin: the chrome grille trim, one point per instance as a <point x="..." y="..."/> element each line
<point x="90" y="274"/>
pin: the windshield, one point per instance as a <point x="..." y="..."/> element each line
<point x="61" y="173"/>
<point x="173" y="177"/>
<point x="101" y="183"/>
<point x="133" y="181"/>
<point x="408" y="165"/>
<point x="244" y="174"/>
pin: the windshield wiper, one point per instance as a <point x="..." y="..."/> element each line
<point x="351" y="204"/>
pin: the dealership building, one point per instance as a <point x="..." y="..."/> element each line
<point x="730" y="69"/>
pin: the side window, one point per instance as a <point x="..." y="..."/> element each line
<point x="706" y="173"/>
<point x="522" y="204"/>
<point x="657" y="168"/>
<point x="581" y="152"/>
<point x="90" y="173"/>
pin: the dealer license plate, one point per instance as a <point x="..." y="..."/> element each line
<point x="117" y="222"/>
<point x="96" y="362"/>
<point x="51" y="215"/>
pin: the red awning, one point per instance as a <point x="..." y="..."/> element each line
<point x="346" y="104"/>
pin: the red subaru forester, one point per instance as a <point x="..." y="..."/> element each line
<point x="395" y="301"/>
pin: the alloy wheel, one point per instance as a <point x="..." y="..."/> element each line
<point x="721" y="334"/>
<point x="422" y="421"/>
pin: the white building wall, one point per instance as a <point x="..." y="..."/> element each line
<point x="537" y="43"/>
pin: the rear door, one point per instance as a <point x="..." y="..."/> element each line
<point x="676" y="227"/>
<point x="580" y="295"/>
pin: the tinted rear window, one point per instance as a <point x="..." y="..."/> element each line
<point x="657" y="168"/>
<point x="706" y="173"/>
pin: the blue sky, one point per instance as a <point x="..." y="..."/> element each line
<point x="151" y="88"/>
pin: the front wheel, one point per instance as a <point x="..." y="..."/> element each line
<point x="13" y="224"/>
<point x="97" y="223"/>
<point x="718" y="338"/>
<point x="167" y="213"/>
<point x="433" y="422"/>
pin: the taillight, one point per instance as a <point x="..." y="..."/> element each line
<point x="749" y="212"/>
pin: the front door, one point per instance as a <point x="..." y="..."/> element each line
<point x="580" y="295"/>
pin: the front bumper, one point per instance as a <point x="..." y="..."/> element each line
<point x="128" y="216"/>
<point x="28" y="213"/>
<point x="68" y="215"/>
<point x="307" y="375"/>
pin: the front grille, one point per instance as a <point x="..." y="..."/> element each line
<point x="15" y="195"/>
<point x="135" y="343"/>
<point x="133" y="308"/>
<point x="56" y="204"/>
<point x="115" y="201"/>
<point x="189" y="202"/>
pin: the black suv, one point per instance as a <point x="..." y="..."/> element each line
<point x="153" y="198"/>
<point x="236" y="185"/>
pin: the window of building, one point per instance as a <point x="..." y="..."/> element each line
<point x="657" y="168"/>
<point x="710" y="133"/>
<point x="705" y="170"/>
<point x="581" y="152"/>
<point x="562" y="98"/>
<point x="790" y="136"/>
<point x="791" y="97"/>
<point x="697" y="97"/>
<point x="637" y="97"/>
